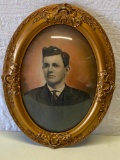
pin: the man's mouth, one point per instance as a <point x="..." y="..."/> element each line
<point x="51" y="76"/>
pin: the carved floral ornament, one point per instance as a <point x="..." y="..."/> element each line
<point x="69" y="15"/>
<point x="64" y="14"/>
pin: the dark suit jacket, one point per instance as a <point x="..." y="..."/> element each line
<point x="69" y="96"/>
<point x="69" y="109"/>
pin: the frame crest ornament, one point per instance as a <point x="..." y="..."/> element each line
<point x="29" y="28"/>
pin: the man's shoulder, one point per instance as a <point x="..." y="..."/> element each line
<point x="35" y="91"/>
<point x="77" y="92"/>
<point x="74" y="90"/>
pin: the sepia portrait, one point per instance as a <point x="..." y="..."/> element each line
<point x="58" y="78"/>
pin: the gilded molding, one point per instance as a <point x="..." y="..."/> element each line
<point x="65" y="14"/>
<point x="11" y="75"/>
<point x="53" y="140"/>
<point x="104" y="86"/>
<point x="52" y="15"/>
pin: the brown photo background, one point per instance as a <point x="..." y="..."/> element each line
<point x="83" y="69"/>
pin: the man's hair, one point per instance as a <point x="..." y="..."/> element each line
<point x="52" y="50"/>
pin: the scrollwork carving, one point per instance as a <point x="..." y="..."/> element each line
<point x="53" y="140"/>
<point x="105" y="87"/>
<point x="12" y="81"/>
<point x="64" y="14"/>
<point x="11" y="76"/>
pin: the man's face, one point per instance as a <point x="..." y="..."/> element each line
<point x="54" y="70"/>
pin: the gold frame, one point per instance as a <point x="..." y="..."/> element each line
<point x="29" y="28"/>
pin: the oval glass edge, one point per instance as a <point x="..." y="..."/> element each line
<point x="87" y="25"/>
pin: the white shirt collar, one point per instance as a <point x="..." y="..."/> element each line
<point x="59" y="89"/>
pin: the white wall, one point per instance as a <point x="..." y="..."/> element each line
<point x="107" y="12"/>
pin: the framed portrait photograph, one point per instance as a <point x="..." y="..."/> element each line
<point x="58" y="75"/>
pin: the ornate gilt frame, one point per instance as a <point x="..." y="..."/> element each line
<point x="30" y="27"/>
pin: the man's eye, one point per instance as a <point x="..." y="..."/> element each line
<point x="55" y="65"/>
<point x="45" y="65"/>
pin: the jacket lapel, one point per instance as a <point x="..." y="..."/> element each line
<point x="68" y="95"/>
<point x="45" y="96"/>
<point x="65" y="97"/>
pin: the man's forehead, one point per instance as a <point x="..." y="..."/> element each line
<point x="53" y="58"/>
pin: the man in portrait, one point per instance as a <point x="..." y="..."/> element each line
<point x="56" y="102"/>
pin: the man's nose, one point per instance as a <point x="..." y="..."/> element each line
<point x="50" y="69"/>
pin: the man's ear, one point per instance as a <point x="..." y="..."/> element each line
<point x="67" y="68"/>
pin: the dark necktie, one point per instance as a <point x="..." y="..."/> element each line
<point x="54" y="96"/>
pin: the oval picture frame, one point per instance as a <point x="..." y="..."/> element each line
<point x="63" y="20"/>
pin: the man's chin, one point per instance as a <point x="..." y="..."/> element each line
<point x="51" y="83"/>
